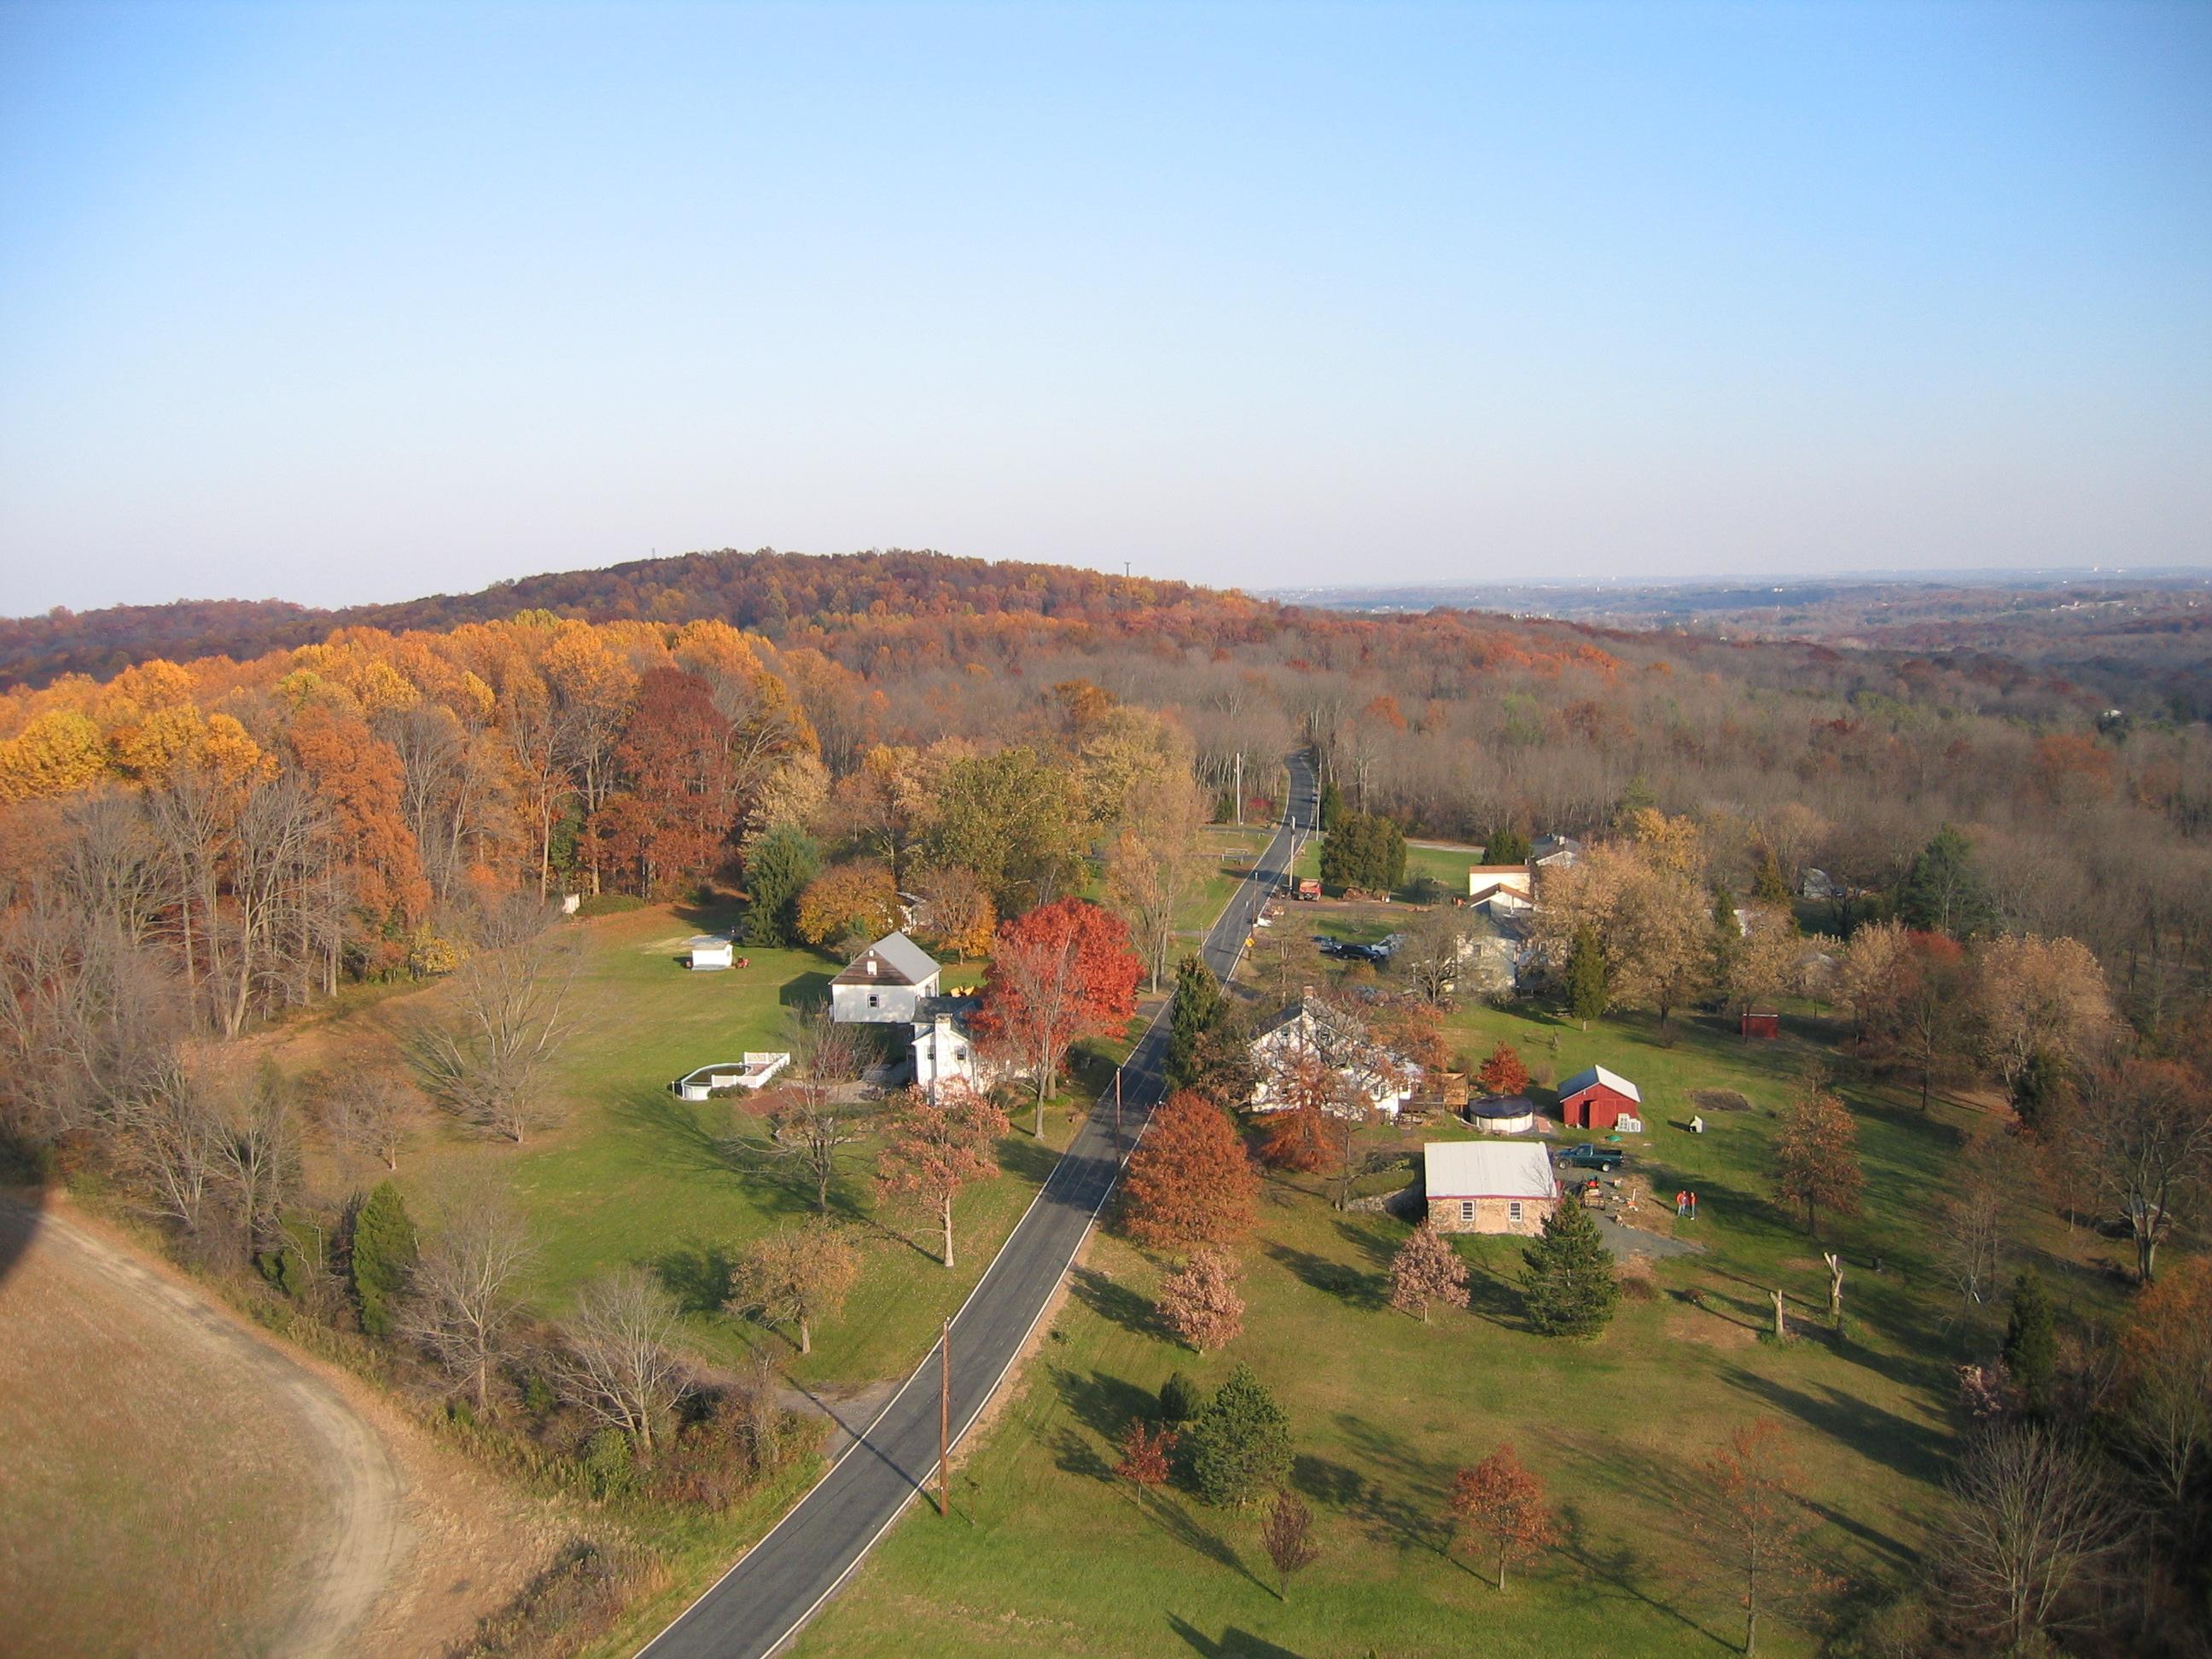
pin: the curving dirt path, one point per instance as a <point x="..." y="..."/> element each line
<point x="351" y="1534"/>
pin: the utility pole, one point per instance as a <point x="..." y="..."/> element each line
<point x="944" y="1423"/>
<point x="1118" y="1109"/>
<point x="1240" y="789"/>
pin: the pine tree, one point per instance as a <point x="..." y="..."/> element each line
<point x="1331" y="806"/>
<point x="1197" y="1006"/>
<point x="2031" y="1343"/>
<point x="1240" y="1443"/>
<point x="383" y="1251"/>
<point x="1507" y="846"/>
<point x="1728" y="936"/>
<point x="1767" y="886"/>
<point x="1570" y="1289"/>
<point x="1943" y="893"/>
<point x="777" y="870"/>
<point x="1587" y="995"/>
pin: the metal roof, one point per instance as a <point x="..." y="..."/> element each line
<point x="1487" y="1169"/>
<point x="909" y="963"/>
<point x="1596" y="1074"/>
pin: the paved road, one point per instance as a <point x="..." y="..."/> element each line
<point x="761" y="1602"/>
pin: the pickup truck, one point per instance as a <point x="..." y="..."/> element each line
<point x="1589" y="1157"/>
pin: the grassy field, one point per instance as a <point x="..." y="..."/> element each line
<point x="1447" y="864"/>
<point x="634" y="1176"/>
<point x="1383" y="1409"/>
<point x="157" y="1498"/>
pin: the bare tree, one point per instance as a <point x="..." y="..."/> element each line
<point x="817" y="1112"/>
<point x="260" y="1154"/>
<point x="2034" y="1523"/>
<point x="465" y="1290"/>
<point x="2149" y="1134"/>
<point x="486" y="1062"/>
<point x="170" y="1147"/>
<point x="1977" y="1231"/>
<point x="1434" y="951"/>
<point x="615" y="1363"/>
<point x="369" y="1110"/>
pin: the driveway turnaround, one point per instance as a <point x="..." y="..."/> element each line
<point x="759" y="1604"/>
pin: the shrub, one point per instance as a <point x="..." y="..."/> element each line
<point x="1180" y="1400"/>
<point x="1426" y="890"/>
<point x="609" y="904"/>
<point x="609" y="1464"/>
<point x="1639" y="1278"/>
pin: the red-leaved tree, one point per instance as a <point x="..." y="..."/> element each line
<point x="932" y="1148"/>
<point x="1190" y="1182"/>
<point x="1063" y="972"/>
<point x="1144" y="1454"/>
<point x="1426" y="1269"/>
<point x="668" y="827"/>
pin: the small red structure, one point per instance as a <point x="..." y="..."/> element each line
<point x="1761" y="1025"/>
<point x="1598" y="1099"/>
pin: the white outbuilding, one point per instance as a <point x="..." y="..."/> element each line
<point x="887" y="984"/>
<point x="708" y="951"/>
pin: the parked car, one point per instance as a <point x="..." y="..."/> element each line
<point x="1589" y="1155"/>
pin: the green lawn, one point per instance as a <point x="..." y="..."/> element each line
<point x="634" y="1176"/>
<point x="1046" y="1554"/>
<point x="1448" y="866"/>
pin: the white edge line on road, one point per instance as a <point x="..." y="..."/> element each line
<point x="876" y="1537"/>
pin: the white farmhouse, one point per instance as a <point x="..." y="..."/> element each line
<point x="1374" y="1078"/>
<point x="886" y="984"/>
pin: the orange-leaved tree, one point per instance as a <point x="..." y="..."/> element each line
<point x="1190" y="1182"/>
<point x="1427" y="1269"/>
<point x="1501" y="1502"/>
<point x="1063" y="972"/>
<point x="932" y="1148"/>
<point x="1200" y="1303"/>
<point x="848" y="900"/>
<point x="1503" y="1073"/>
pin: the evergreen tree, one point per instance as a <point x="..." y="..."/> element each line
<point x="1943" y="893"/>
<point x="382" y="1252"/>
<point x="1587" y="994"/>
<point x="1728" y="936"/>
<point x="2031" y="1343"/>
<point x="1507" y="846"/>
<point x="777" y="870"/>
<point x="1180" y="1400"/>
<point x="1239" y="1444"/>
<point x="1364" y="850"/>
<point x="1331" y="806"/>
<point x="1570" y="1289"/>
<point x="1198" y="1005"/>
<point x="1636" y="798"/>
<point x="1767" y="886"/>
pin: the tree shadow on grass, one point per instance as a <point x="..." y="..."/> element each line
<point x="1116" y="1302"/>
<point x="1912" y="1449"/>
<point x="804" y="990"/>
<point x="1031" y="1159"/>
<point x="1370" y="1240"/>
<point x="697" y="1273"/>
<point x="1622" y="1567"/>
<point x="1235" y="1644"/>
<point x="1492" y="1296"/>
<point x="1102" y="1404"/>
<point x="1167" y="1512"/>
<point x="1340" y="1279"/>
<point x="1386" y="1518"/>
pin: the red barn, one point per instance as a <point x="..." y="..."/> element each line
<point x="1598" y="1099"/>
<point x="1761" y="1025"/>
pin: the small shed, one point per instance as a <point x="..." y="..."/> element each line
<point x="1596" y="1098"/>
<point x="709" y="950"/>
<point x="1755" y="1023"/>
<point x="1488" y="1186"/>
<point x="1503" y="1114"/>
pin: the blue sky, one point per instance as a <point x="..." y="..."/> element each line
<point x="339" y="303"/>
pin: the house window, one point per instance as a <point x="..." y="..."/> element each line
<point x="1513" y="1211"/>
<point x="874" y="1000"/>
<point x="1466" y="1209"/>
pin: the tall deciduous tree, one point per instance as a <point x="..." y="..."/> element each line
<point x="464" y="1293"/>
<point x="1816" y="1158"/>
<point x="934" y="1148"/>
<point x="618" y="1361"/>
<point x="956" y="911"/>
<point x="2033" y="1522"/>
<point x="1424" y="1269"/>
<point x="2149" y="1140"/>
<point x="1063" y="972"/>
<point x="1748" y="1513"/>
<point x="488" y="1060"/>
<point x="1012" y="819"/>
<point x="1501" y="1502"/>
<point x="815" y="1113"/>
<point x="2038" y="996"/>
<point x="669" y="825"/>
<point x="1190" y="1182"/>
<point x="797" y="1276"/>
<point x="1154" y="867"/>
<point x="1502" y="1071"/>
<point x="849" y="900"/>
<point x="1199" y="1300"/>
<point x="1286" y="1534"/>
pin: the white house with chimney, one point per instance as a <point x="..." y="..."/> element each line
<point x="887" y="984"/>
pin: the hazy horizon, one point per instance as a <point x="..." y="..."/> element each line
<point x="343" y="305"/>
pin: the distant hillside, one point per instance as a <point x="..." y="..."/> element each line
<point x="767" y="591"/>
